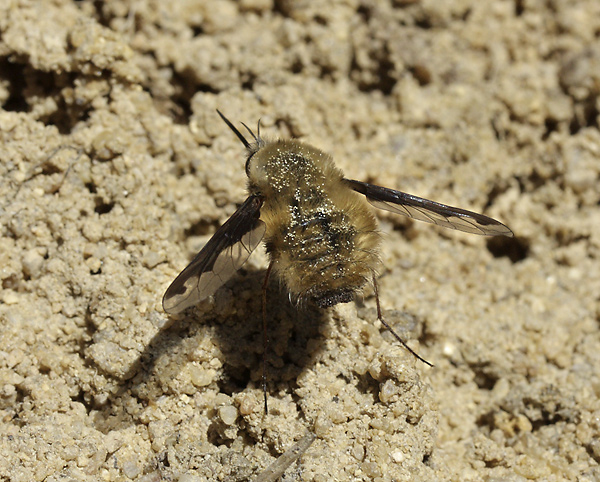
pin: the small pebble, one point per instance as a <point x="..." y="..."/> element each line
<point x="228" y="414"/>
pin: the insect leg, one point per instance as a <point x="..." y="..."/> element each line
<point x="380" y="318"/>
<point x="265" y="338"/>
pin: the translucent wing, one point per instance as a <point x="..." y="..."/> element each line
<point x="223" y="255"/>
<point x="429" y="211"/>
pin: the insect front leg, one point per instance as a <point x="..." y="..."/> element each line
<point x="265" y="337"/>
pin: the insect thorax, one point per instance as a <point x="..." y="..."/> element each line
<point x="320" y="233"/>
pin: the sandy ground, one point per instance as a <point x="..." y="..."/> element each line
<point x="115" y="170"/>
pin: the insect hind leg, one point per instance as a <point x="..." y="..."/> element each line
<point x="380" y="318"/>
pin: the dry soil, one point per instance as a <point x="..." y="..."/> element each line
<point x="115" y="170"/>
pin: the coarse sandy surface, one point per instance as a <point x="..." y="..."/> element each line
<point x="115" y="170"/>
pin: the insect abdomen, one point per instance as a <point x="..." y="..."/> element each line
<point x="324" y="251"/>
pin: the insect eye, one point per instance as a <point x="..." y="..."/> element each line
<point x="248" y="163"/>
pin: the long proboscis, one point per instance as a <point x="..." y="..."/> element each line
<point x="235" y="131"/>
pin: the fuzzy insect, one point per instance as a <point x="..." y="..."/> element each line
<point x="319" y="231"/>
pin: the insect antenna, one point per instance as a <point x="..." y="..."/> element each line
<point x="236" y="132"/>
<point x="380" y="318"/>
<point x="257" y="135"/>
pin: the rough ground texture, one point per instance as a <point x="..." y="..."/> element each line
<point x="115" y="170"/>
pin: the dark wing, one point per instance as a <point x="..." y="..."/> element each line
<point x="429" y="211"/>
<point x="223" y="255"/>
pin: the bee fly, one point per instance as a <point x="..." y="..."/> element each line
<point x="320" y="234"/>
